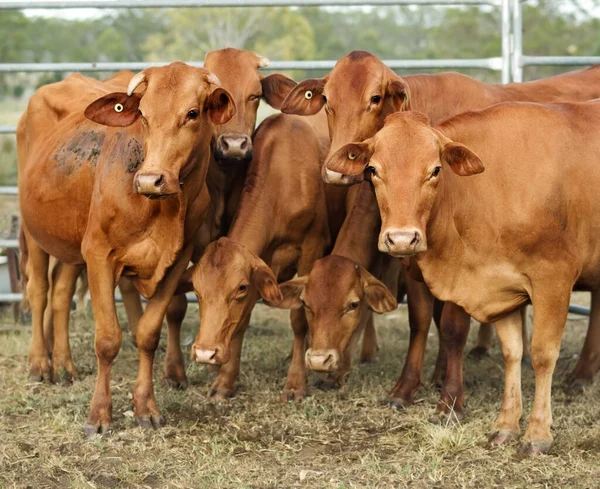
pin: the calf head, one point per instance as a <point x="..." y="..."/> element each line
<point x="238" y="72"/>
<point x="337" y="295"/>
<point x="357" y="96"/>
<point x="406" y="162"/>
<point x="178" y="111"/>
<point x="228" y="281"/>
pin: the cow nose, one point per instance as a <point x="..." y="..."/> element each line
<point x="322" y="360"/>
<point x="402" y="242"/>
<point x="149" y="184"/>
<point x="207" y="356"/>
<point x="234" y="147"/>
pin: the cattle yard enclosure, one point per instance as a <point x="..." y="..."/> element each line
<point x="509" y="62"/>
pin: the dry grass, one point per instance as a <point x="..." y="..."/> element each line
<point x="344" y="439"/>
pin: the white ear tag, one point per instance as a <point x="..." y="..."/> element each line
<point x="308" y="95"/>
<point x="118" y="107"/>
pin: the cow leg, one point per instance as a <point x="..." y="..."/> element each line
<point x="49" y="313"/>
<point x="525" y="336"/>
<point x="485" y="339"/>
<point x="64" y="281"/>
<point x="146" y="413"/>
<point x="506" y="426"/>
<point x="224" y="385"/>
<point x="37" y="292"/>
<point x="551" y="307"/>
<point x="420" y="312"/>
<point x="441" y="362"/>
<point x="295" y="388"/>
<point x="132" y="303"/>
<point x="174" y="367"/>
<point x="589" y="360"/>
<point x="101" y="280"/>
<point x="369" y="349"/>
<point x="454" y="329"/>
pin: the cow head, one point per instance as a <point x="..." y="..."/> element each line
<point x="178" y="111"/>
<point x="406" y="162"/>
<point x="337" y="297"/>
<point x="238" y="72"/>
<point x="357" y="95"/>
<point x="228" y="281"/>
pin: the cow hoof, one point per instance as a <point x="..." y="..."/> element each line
<point x="538" y="447"/>
<point x="479" y="352"/>
<point x="398" y="403"/>
<point x="65" y="377"/>
<point x="154" y="421"/>
<point x="91" y="429"/>
<point x="290" y="395"/>
<point x="220" y="394"/>
<point x="41" y="371"/>
<point x="177" y="384"/>
<point x="326" y="384"/>
<point x="502" y="437"/>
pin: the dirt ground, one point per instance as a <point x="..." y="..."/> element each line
<point x="344" y="439"/>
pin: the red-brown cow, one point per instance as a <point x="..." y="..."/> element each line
<point x="360" y="92"/>
<point x="125" y="199"/>
<point x="526" y="229"/>
<point x="270" y="229"/>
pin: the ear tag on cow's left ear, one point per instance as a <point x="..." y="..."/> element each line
<point x="351" y="156"/>
<point x="308" y="95"/>
<point x="119" y="108"/>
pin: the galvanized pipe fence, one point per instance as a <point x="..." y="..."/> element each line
<point x="509" y="63"/>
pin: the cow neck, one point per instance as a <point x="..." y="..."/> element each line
<point x="358" y="236"/>
<point x="254" y="222"/>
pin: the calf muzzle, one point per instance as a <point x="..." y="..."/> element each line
<point x="233" y="148"/>
<point x="211" y="356"/>
<point x="402" y="242"/>
<point x="153" y="185"/>
<point x="323" y="360"/>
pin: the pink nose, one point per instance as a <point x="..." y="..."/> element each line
<point x="206" y="356"/>
<point x="322" y="360"/>
<point x="401" y="242"/>
<point x="150" y="184"/>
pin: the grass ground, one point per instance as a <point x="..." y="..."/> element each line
<point x="343" y="439"/>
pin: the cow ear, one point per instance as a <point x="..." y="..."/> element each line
<point x="275" y="88"/>
<point x="220" y="106"/>
<point x="291" y="291"/>
<point x="115" y="109"/>
<point x="399" y="93"/>
<point x="378" y="296"/>
<point x="461" y="159"/>
<point x="306" y="98"/>
<point x="347" y="165"/>
<point x="265" y="282"/>
<point x="185" y="283"/>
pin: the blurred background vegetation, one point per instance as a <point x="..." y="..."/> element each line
<point x="551" y="27"/>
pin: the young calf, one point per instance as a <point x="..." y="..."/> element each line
<point x="525" y="230"/>
<point x="282" y="218"/>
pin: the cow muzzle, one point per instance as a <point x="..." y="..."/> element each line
<point x="154" y="185"/>
<point x="233" y="148"/>
<point x="323" y="360"/>
<point x="402" y="242"/>
<point x="211" y="356"/>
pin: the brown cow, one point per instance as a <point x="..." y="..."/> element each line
<point x="270" y="229"/>
<point x="339" y="293"/>
<point x="125" y="199"/>
<point x="494" y="242"/>
<point x="360" y="92"/>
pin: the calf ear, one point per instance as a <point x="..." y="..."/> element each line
<point x="306" y="98"/>
<point x="275" y="88"/>
<point x="347" y="165"/>
<point x="265" y="282"/>
<point x="461" y="159"/>
<point x="378" y="296"/>
<point x="220" y="106"/>
<point x="185" y="282"/>
<point x="399" y="93"/>
<point x="291" y="291"/>
<point x="115" y="109"/>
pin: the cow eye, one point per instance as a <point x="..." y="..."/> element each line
<point x="242" y="288"/>
<point x="436" y="171"/>
<point x="353" y="305"/>
<point x="376" y="99"/>
<point x="193" y="114"/>
<point x="324" y="99"/>
<point x="254" y="97"/>
<point x="371" y="170"/>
